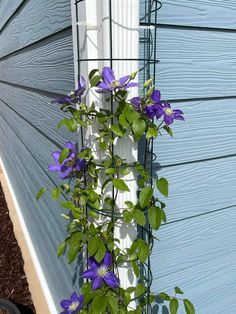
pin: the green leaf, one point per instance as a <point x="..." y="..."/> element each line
<point x="168" y="130"/>
<point x="71" y="124"/>
<point x="140" y="289"/>
<point x="93" y="245"/>
<point x="138" y="127"/>
<point x="64" y="153"/>
<point x="113" y="303"/>
<point x="95" y="80"/>
<point x="61" y="248"/>
<point x="164" y="296"/>
<point x="143" y="251"/>
<point x="139" y="217"/>
<point x="189" y="308"/>
<point x="110" y="171"/>
<point x="120" y="185"/>
<point x="123" y="122"/>
<point x="40" y="193"/>
<point x="135" y="268"/>
<point x="99" y="305"/>
<point x="92" y="73"/>
<point x="163" y="186"/>
<point x="74" y="246"/>
<point x="178" y="290"/>
<point x="100" y="251"/>
<point x="152" y="132"/>
<point x="68" y="205"/>
<point x="155" y="217"/>
<point x="131" y="115"/>
<point x="118" y="130"/>
<point x="56" y="192"/>
<point x="145" y="196"/>
<point x="174" y="304"/>
<point x="128" y="216"/>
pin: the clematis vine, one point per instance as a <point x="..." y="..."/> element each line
<point x="87" y="198"/>
<point x="73" y="97"/>
<point x="73" y="305"/>
<point x="72" y="163"/>
<point x="100" y="273"/>
<point x="109" y="83"/>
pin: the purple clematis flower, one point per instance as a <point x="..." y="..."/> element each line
<point x="71" y="164"/>
<point x="73" y="97"/>
<point x="109" y="82"/>
<point x="153" y="109"/>
<point x="100" y="273"/>
<point x="73" y="305"/>
<point x="170" y="114"/>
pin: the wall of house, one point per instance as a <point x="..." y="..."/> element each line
<point x="36" y="64"/>
<point x="196" y="46"/>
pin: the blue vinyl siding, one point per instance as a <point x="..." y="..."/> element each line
<point x="36" y="63"/>
<point x="197" y="73"/>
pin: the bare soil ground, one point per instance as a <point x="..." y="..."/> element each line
<point x="13" y="282"/>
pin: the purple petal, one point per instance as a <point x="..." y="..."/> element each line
<point x="178" y="112"/>
<point x="90" y="273"/>
<point x="111" y="280"/>
<point x="65" y="174"/>
<point x="65" y="304"/>
<point x="62" y="100"/>
<point x="102" y="85"/>
<point x="74" y="297"/>
<point x="56" y="156"/>
<point x="54" y="168"/>
<point x="96" y="283"/>
<point x="71" y="146"/>
<point x="166" y="105"/>
<point x="80" y="164"/>
<point x="124" y="79"/>
<point x="93" y="263"/>
<point x="179" y="118"/>
<point x="81" y="299"/>
<point x="108" y="75"/>
<point x="168" y="119"/>
<point x="131" y="85"/>
<point x="156" y="95"/>
<point x="107" y="259"/>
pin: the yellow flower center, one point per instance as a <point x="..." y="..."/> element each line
<point x="115" y="83"/>
<point x="168" y="111"/>
<point x="74" y="305"/>
<point x="102" y="271"/>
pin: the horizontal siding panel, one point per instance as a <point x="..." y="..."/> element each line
<point x="47" y="66"/>
<point x="7" y="10"/>
<point x="42" y="218"/>
<point x="203" y="13"/>
<point x="37" y="109"/>
<point x="199" y="188"/>
<point x="198" y="255"/>
<point x="195" y="64"/>
<point x="34" y="21"/>
<point x="39" y="146"/>
<point x="203" y="135"/>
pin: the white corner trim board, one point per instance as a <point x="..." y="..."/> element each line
<point x="33" y="255"/>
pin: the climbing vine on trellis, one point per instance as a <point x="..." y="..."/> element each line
<point x="86" y="199"/>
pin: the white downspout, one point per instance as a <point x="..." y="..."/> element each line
<point x="95" y="42"/>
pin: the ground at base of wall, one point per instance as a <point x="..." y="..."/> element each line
<point x="13" y="282"/>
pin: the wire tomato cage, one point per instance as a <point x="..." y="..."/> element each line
<point x="147" y="60"/>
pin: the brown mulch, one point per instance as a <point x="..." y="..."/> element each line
<point x="13" y="282"/>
